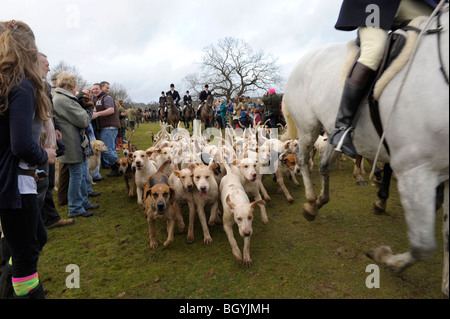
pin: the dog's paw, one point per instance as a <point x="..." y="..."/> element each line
<point x="167" y="243"/>
<point x="153" y="244"/>
<point x="207" y="240"/>
<point x="247" y="263"/>
<point x="290" y="199"/>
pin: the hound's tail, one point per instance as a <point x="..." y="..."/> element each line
<point x="163" y="166"/>
<point x="291" y="131"/>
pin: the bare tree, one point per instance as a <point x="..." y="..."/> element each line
<point x="64" y="66"/>
<point x="233" y="67"/>
<point x="118" y="91"/>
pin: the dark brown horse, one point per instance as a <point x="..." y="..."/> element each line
<point x="189" y="114"/>
<point x="162" y="114"/>
<point x="173" y="114"/>
<point x="207" y="112"/>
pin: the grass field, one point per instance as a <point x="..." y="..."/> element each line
<point x="292" y="258"/>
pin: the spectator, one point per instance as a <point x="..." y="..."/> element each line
<point x="96" y="176"/>
<point x="223" y="115"/>
<point x="24" y="111"/>
<point x="109" y="124"/>
<point x="272" y="103"/>
<point x="123" y="121"/>
<point x="73" y="120"/>
<point x="259" y="105"/>
<point x="50" y="215"/>
<point x="131" y="113"/>
<point x="244" y="117"/>
<point x="237" y="112"/>
<point x="230" y="109"/>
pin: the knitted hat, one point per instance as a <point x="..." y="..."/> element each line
<point x="272" y="91"/>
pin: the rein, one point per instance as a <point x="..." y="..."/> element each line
<point x="438" y="31"/>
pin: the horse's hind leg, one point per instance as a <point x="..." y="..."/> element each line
<point x="327" y="161"/>
<point x="379" y="207"/>
<point x="357" y="172"/>
<point x="418" y="192"/>
<point x="445" y="234"/>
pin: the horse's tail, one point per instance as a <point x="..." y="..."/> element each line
<point x="291" y="131"/>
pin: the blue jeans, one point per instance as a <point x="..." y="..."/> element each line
<point x="78" y="188"/>
<point x="108" y="136"/>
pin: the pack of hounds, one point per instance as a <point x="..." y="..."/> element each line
<point x="180" y="169"/>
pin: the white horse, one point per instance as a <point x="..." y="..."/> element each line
<point x="416" y="130"/>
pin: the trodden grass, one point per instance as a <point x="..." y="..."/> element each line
<point x="292" y="258"/>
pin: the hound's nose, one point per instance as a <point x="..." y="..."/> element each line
<point x="203" y="189"/>
<point x="160" y="206"/>
<point x="189" y="188"/>
<point x="247" y="233"/>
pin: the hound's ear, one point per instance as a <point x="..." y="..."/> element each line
<point x="230" y="204"/>
<point x="192" y="166"/>
<point x="130" y="155"/>
<point x="149" y="153"/>
<point x="172" y="196"/>
<point x="177" y="173"/>
<point x="258" y="202"/>
<point x="148" y="193"/>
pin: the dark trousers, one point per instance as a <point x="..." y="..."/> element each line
<point x="63" y="184"/>
<point x="45" y="196"/>
<point x="273" y="122"/>
<point x="25" y="234"/>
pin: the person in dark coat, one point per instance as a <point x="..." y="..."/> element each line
<point x="203" y="96"/>
<point x="373" y="19"/>
<point x="176" y="97"/>
<point x="24" y="115"/>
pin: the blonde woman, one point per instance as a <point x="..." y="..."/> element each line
<point x="73" y="119"/>
<point x="24" y="107"/>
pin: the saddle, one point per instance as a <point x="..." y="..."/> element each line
<point x="398" y="51"/>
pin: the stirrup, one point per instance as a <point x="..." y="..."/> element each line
<point x="341" y="141"/>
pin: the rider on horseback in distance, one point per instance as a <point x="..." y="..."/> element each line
<point x="373" y="19"/>
<point x="203" y="97"/>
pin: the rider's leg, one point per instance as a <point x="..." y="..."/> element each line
<point x="357" y="85"/>
<point x="410" y="9"/>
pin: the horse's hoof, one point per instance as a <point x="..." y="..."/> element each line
<point x="308" y="216"/>
<point x="309" y="211"/>
<point x="361" y="183"/>
<point x="379" y="254"/>
<point x="379" y="210"/>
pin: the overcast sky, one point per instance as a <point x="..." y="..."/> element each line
<point x="147" y="45"/>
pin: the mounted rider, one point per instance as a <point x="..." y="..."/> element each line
<point x="203" y="97"/>
<point x="187" y="100"/>
<point x="373" y="19"/>
<point x="162" y="103"/>
<point x="176" y="98"/>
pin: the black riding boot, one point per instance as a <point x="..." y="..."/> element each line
<point x="356" y="89"/>
<point x="114" y="171"/>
